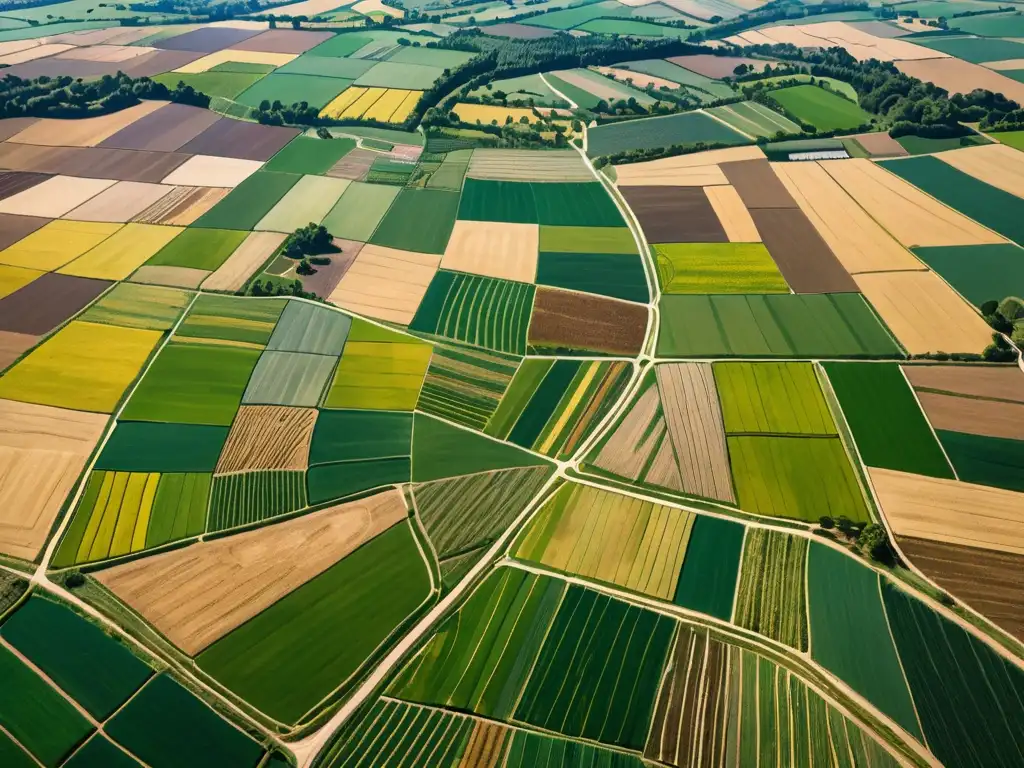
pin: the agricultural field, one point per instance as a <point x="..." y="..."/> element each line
<point x="339" y="431"/>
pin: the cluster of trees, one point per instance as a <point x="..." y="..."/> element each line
<point x="66" y="97"/>
<point x="309" y="245"/>
<point x="870" y="539"/>
<point x="299" y="113"/>
<point x="1006" y="316"/>
<point x="272" y="288"/>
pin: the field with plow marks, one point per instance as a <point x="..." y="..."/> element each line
<point x="369" y="400"/>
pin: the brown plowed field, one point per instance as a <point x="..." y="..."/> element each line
<point x="91" y="162"/>
<point x="13" y="228"/>
<point x="689" y="401"/>
<point x="246" y="141"/>
<point x="585" y="322"/>
<point x="675" y="214"/>
<point x="268" y="437"/>
<point x="283" y="41"/>
<point x="673" y="171"/>
<point x="47" y="302"/>
<point x="42" y="452"/>
<point x="950" y="511"/>
<point x="971" y="380"/>
<point x="87" y="132"/>
<point x="716" y="67"/>
<point x="757" y="184"/>
<point x="198" y="594"/>
<point x="13" y="182"/>
<point x="991" y="583"/>
<point x="880" y="144"/>
<point x="801" y="254"/>
<point x="976" y="417"/>
<point x="165" y="130"/>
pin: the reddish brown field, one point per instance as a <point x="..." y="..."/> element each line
<point x="566" y="320"/>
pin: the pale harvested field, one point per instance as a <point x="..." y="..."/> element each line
<point x="54" y="197"/>
<point x="13" y="345"/>
<point x="698" y="169"/>
<point x="42" y="452"/>
<point x="182" y="206"/>
<point x="198" y="594"/>
<point x="121" y="202"/>
<point x="924" y="313"/>
<point x="664" y="470"/>
<point x="209" y="171"/>
<point x="640" y="80"/>
<point x="526" y="165"/>
<point x="693" y="416"/>
<point x="87" y="132"/>
<point x="598" y="89"/>
<point x="179" y="277"/>
<point x="268" y="437"/>
<point x="33" y="53"/>
<point x="950" y="511"/>
<point x="733" y="214"/>
<point x="861" y="45"/>
<point x="494" y="249"/>
<point x="108" y="53"/>
<point x="958" y="76"/>
<point x="909" y="215"/>
<point x="246" y="57"/>
<point x="880" y="144"/>
<point x="1007" y="64"/>
<point x="386" y="283"/>
<point x="975" y="417"/>
<point x="971" y="380"/>
<point x="247" y="258"/>
<point x="640" y="434"/>
<point x="995" y="164"/>
<point x="856" y="239"/>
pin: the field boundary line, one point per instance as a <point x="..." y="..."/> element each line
<point x="558" y="93"/>
<point x="725" y="123"/>
<point x="21" y="746"/>
<point x="928" y="421"/>
<point x="96" y="724"/>
<point x="899" y="658"/>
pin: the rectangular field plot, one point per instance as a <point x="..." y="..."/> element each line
<point x="84" y="366"/>
<point x="493" y="249"/>
<point x="610" y="538"/>
<point x="718" y="268"/>
<point x="823" y="109"/>
<point x="245" y="323"/>
<point x="98" y="672"/>
<point x="145" y="446"/>
<point x="464" y="384"/>
<point x="566" y="321"/>
<point x="827" y="325"/>
<point x="961" y="687"/>
<point x="754" y="119"/>
<point x="707" y="582"/>
<point x="887" y="423"/>
<point x="192" y="384"/>
<point x="619" y="276"/>
<point x="249" y="202"/>
<point x="675" y="214"/>
<point x="150" y="725"/>
<point x="984" y="460"/>
<point x="772" y="398"/>
<point x="309" y="154"/>
<point x="770" y="599"/>
<point x="616" y="653"/>
<point x="244" y="498"/>
<point x="686" y="129"/>
<point x="473" y="510"/>
<point x="979" y="273"/>
<point x="481" y="311"/>
<point x="523" y="165"/>
<point x="198" y="249"/>
<point x="547" y="204"/>
<point x="42" y="452"/>
<point x="289" y="657"/>
<point x="479" y="658"/>
<point x="849" y="632"/>
<point x="419" y="220"/>
<point x="310" y="200"/>
<point x="386" y="283"/>
<point x="305" y="327"/>
<point x="379" y="370"/>
<point x="268" y="437"/>
<point x="289" y="378"/>
<point x="122" y="253"/>
<point x="56" y="243"/>
<point x="139" y="306"/>
<point x="802" y="478"/>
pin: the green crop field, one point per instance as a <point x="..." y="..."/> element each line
<point x="995" y="461"/>
<point x="152" y="723"/>
<point x="225" y="84"/>
<point x="483" y="311"/>
<point x="823" y="109"/>
<point x="707" y="581"/>
<point x="887" y="424"/>
<point x="141" y="446"/>
<point x="419" y="220"/>
<point x="359" y="210"/>
<point x="543" y="403"/>
<point x="979" y="273"/>
<point x="687" y="129"/>
<point x="293" y="654"/>
<point x="787" y="325"/>
<point x="249" y="202"/>
<point x="966" y="694"/>
<point x="334" y="481"/>
<point x="923" y="145"/>
<point x="289" y="378"/>
<point x="975" y="49"/>
<point x="212" y="318"/>
<point x="548" y="204"/>
<point x="97" y="671"/>
<point x="718" y="268"/>
<point x="293" y="89"/>
<point x="992" y="207"/>
<point x="192" y="384"/>
<point x="100" y="752"/>
<point x="198" y="249"/>
<point x="754" y="119"/>
<point x="772" y="398"/>
<point x="770" y="599"/>
<point x="849" y="636"/>
<point x="130" y="305"/>
<point x="620" y="276"/>
<point x="311" y="329"/>
<point x="464" y="384"/>
<point x="441" y="450"/>
<point x="705" y="88"/>
<point x="802" y="478"/>
<point x="306" y="154"/>
<point x="631" y="27"/>
<point x="524" y="88"/>
<point x="355" y="435"/>
<point x="249" y="497"/>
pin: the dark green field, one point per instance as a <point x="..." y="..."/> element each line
<point x="620" y="276"/>
<point x="566" y="204"/>
<point x="543" y="403"/>
<point x="996" y="461"/>
<point x="97" y="671"/>
<point x="248" y="497"/>
<point x="199" y="249"/>
<point x="441" y="450"/>
<point x="687" y="129"/>
<point x="419" y="220"/>
<point x="334" y="481"/>
<point x="144" y="446"/>
<point x="293" y="654"/>
<point x="707" y="581"/>
<point x="249" y="202"/>
<point x="357" y="435"/>
<point x="307" y="154"/>
<point x="886" y="421"/>
<point x="979" y="273"/>
<point x="849" y="636"/>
